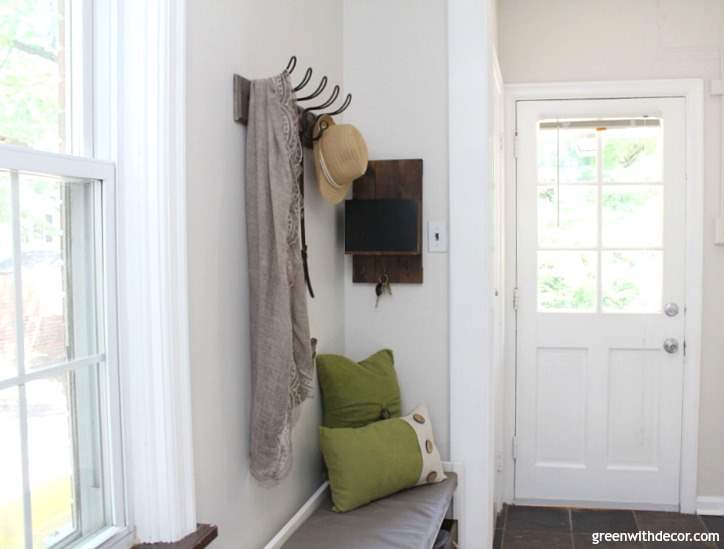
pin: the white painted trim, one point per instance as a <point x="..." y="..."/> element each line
<point x="710" y="505"/>
<point x="596" y="504"/>
<point x="149" y="145"/>
<point x="472" y="409"/>
<point x="294" y="523"/>
<point x="458" y="501"/>
<point x="22" y="159"/>
<point x="316" y="500"/>
<point x="693" y="91"/>
<point x="109" y="538"/>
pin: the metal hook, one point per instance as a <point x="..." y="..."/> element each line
<point x="292" y="63"/>
<point x="345" y="105"/>
<point x="327" y="103"/>
<point x="315" y="93"/>
<point x="305" y="80"/>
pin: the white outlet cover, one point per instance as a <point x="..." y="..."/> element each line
<point x="437" y="236"/>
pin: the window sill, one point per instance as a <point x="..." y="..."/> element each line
<point x="109" y="538"/>
<point x="203" y="536"/>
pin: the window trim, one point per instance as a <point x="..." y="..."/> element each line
<point x="22" y="159"/>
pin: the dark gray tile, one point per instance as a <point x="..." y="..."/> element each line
<point x="498" y="539"/>
<point x="549" y="519"/>
<point x="522" y="539"/>
<point x="657" y="521"/>
<point x="595" y="520"/>
<point x="715" y="524"/>
<point x="585" y="541"/>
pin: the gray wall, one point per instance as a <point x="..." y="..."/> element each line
<point x="255" y="39"/>
<point x="395" y="64"/>
<point x="567" y="40"/>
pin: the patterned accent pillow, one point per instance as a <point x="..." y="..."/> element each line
<point x="369" y="463"/>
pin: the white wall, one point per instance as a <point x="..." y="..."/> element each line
<point x="567" y="40"/>
<point x="254" y="39"/>
<point x="395" y="64"/>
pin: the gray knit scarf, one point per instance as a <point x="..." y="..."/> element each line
<point x="281" y="354"/>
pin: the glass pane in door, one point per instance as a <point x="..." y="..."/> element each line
<point x="567" y="281"/>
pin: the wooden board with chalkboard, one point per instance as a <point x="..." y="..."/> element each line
<point x="395" y="180"/>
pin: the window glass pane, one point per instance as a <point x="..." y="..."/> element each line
<point x="33" y="45"/>
<point x="632" y="155"/>
<point x="12" y="533"/>
<point x="51" y="459"/>
<point x="43" y="271"/>
<point x="567" y="281"/>
<point x="8" y="350"/>
<point x="568" y="222"/>
<point x="633" y="216"/>
<point x="567" y="155"/>
<point x="58" y="257"/>
<point x="632" y="281"/>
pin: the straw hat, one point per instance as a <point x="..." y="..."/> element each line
<point x="340" y="157"/>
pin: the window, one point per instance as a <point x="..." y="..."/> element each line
<point x="60" y="468"/>
<point x="600" y="216"/>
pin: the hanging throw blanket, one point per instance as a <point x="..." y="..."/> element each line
<point x="281" y="354"/>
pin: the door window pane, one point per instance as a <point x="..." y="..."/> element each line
<point x="632" y="155"/>
<point x="8" y="350"/>
<point x="567" y="155"/>
<point x="567" y="217"/>
<point x="633" y="216"/>
<point x="34" y="54"/>
<point x="632" y="281"/>
<point x="51" y="459"/>
<point x="567" y="281"/>
<point x="12" y="534"/>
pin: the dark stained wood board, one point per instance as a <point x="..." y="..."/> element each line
<point x="391" y="179"/>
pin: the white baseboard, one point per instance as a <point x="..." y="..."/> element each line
<point x="710" y="505"/>
<point x="305" y="511"/>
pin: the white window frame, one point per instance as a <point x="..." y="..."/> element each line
<point x="24" y="160"/>
<point x="132" y="96"/>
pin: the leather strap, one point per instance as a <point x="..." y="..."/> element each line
<point x="307" y="279"/>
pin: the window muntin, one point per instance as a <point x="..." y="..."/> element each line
<point x="57" y="427"/>
<point x="600" y="211"/>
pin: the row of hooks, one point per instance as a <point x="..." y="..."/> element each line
<point x="308" y="117"/>
<point x="318" y="91"/>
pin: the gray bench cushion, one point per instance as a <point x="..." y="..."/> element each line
<point x="406" y="520"/>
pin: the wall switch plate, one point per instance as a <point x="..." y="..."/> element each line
<point x="437" y="236"/>
<point x="719" y="234"/>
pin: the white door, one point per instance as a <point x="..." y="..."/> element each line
<point x="600" y="275"/>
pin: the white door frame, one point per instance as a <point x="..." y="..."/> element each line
<point x="692" y="90"/>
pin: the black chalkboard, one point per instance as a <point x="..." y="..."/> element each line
<point x="381" y="227"/>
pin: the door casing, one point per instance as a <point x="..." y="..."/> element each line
<point x="692" y="90"/>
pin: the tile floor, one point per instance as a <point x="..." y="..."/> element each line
<point x="521" y="527"/>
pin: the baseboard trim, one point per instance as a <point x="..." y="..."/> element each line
<point x="710" y="505"/>
<point x="305" y="511"/>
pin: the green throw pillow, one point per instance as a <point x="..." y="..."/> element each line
<point x="372" y="462"/>
<point x="355" y="394"/>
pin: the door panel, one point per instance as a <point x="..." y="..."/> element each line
<point x="600" y="251"/>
